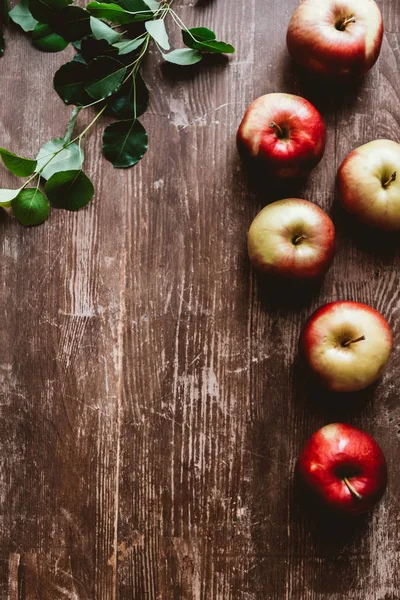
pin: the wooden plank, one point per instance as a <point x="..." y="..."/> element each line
<point x="152" y="402"/>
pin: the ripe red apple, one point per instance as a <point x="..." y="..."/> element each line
<point x="369" y="184"/>
<point x="336" y="38"/>
<point x="347" y="345"/>
<point x="344" y="468"/>
<point x="292" y="238"/>
<point x="284" y="133"/>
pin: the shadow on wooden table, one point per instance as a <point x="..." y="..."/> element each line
<point x="327" y="95"/>
<point x="333" y="407"/>
<point x="275" y="294"/>
<point x="384" y="245"/>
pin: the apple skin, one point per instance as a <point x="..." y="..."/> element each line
<point x="339" y="451"/>
<point x="276" y="245"/>
<point x="316" y="42"/>
<point x="369" y="184"/>
<point x="339" y="365"/>
<point x="293" y="152"/>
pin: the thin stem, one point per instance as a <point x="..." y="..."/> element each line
<point x="352" y="489"/>
<point x="86" y="128"/>
<point x="278" y="130"/>
<point x="134" y="95"/>
<point x="347" y="343"/>
<point x="298" y="239"/>
<point x="136" y="63"/>
<point x="390" y="180"/>
<point x="343" y="24"/>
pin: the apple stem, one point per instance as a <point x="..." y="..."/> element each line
<point x="352" y="489"/>
<point x="298" y="239"/>
<point x="348" y="342"/>
<point x="278" y="130"/>
<point x="342" y="25"/>
<point x="389" y="181"/>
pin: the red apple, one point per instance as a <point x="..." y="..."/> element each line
<point x="336" y="38"/>
<point x="284" y="133"/>
<point x="344" y="468"/>
<point x="369" y="184"/>
<point x="347" y="345"/>
<point x="292" y="238"/>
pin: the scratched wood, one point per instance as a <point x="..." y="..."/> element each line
<point x="152" y="402"/>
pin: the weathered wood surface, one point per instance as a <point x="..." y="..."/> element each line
<point x="152" y="405"/>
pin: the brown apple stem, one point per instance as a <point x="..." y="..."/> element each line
<point x="342" y="26"/>
<point x="278" y="130"/>
<point x="389" y="181"/>
<point x="352" y="489"/>
<point x="348" y="342"/>
<point x="299" y="238"/>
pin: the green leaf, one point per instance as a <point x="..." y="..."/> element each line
<point x="30" y="207"/>
<point x="22" y="16"/>
<point x="122" y="105"/>
<point x="69" y="83"/>
<point x="92" y="48"/>
<point x="158" y="32"/>
<point x="128" y="46"/>
<point x="71" y="124"/>
<point x="71" y="190"/>
<point x="46" y="40"/>
<point x="113" y="12"/>
<point x="22" y="167"/>
<point x="125" y="143"/>
<point x="153" y="5"/>
<point x="102" y="31"/>
<point x="4" y="12"/>
<point x="201" y="38"/>
<point x="139" y="7"/>
<point x="104" y="77"/>
<point x="67" y="159"/>
<point x="6" y="196"/>
<point x="79" y="58"/>
<point x="72" y="23"/>
<point x="183" y="56"/>
<point x="45" y="10"/>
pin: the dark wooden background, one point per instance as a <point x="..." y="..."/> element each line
<point x="152" y="403"/>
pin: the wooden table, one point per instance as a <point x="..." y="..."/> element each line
<point x="152" y="404"/>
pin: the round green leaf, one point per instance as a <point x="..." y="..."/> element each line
<point x="72" y="23"/>
<point x="111" y="12"/>
<point x="125" y="143"/>
<point x="22" y="16"/>
<point x="69" y="83"/>
<point x="22" y="167"/>
<point x="158" y="32"/>
<point x="46" y="40"/>
<point x="6" y="197"/>
<point x="67" y="159"/>
<point x="201" y="38"/>
<point x="30" y="207"/>
<point x="184" y="56"/>
<point x="104" y="77"/>
<point x="92" y="48"/>
<point x="45" y="10"/>
<point x="71" y="190"/>
<point x="4" y="12"/>
<point x="102" y="31"/>
<point x="137" y="6"/>
<point x="122" y="105"/>
<point x="128" y="46"/>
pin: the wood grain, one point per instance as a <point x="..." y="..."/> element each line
<point x="152" y="401"/>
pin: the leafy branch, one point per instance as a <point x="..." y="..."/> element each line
<point x="111" y="41"/>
